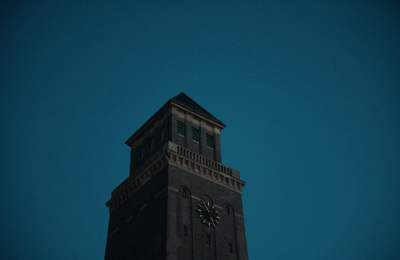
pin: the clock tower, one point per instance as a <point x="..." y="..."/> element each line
<point x="179" y="201"/>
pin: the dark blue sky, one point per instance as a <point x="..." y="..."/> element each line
<point x="309" y="91"/>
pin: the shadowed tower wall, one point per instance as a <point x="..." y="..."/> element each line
<point x="179" y="201"/>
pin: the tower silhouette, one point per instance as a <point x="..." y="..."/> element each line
<point x="179" y="201"/>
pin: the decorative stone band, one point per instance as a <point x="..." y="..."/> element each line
<point x="202" y="160"/>
<point x="204" y="171"/>
<point x="182" y="158"/>
<point x="132" y="184"/>
<point x="141" y="170"/>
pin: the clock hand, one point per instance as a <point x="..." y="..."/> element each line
<point x="206" y="207"/>
<point x="212" y="220"/>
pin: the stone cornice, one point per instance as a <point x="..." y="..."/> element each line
<point x="132" y="184"/>
<point x="204" y="171"/>
<point x="180" y="157"/>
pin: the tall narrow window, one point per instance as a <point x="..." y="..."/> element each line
<point x="181" y="128"/>
<point x="230" y="248"/>
<point x="185" y="231"/>
<point x="195" y="134"/>
<point x="210" y="141"/>
<point x="184" y="193"/>
<point x="208" y="241"/>
<point x="227" y="210"/>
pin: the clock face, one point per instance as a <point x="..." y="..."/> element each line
<point x="208" y="214"/>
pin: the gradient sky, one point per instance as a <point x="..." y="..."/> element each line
<point x="309" y="91"/>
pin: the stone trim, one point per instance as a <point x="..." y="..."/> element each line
<point x="205" y="172"/>
<point x="131" y="185"/>
<point x="202" y="160"/>
<point x="172" y="154"/>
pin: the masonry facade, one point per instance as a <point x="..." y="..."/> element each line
<point x="179" y="201"/>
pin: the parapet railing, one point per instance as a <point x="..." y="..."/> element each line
<point x="201" y="159"/>
<point x="184" y="153"/>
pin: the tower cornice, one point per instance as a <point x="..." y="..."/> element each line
<point x="175" y="155"/>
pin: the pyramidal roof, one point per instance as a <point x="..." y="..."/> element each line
<point x="183" y="100"/>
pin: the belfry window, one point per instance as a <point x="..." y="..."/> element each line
<point x="195" y="134"/>
<point x="181" y="128"/>
<point x="210" y="141"/>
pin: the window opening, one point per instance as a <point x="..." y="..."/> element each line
<point x="230" y="248"/>
<point x="195" y="134"/>
<point x="210" y="141"/>
<point x="181" y="128"/>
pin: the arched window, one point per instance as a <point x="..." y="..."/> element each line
<point x="227" y="210"/>
<point x="184" y="193"/>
